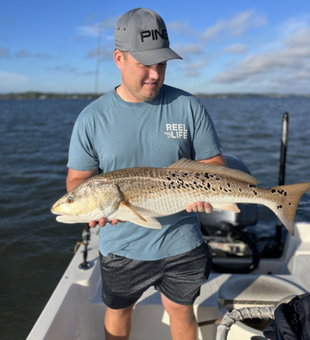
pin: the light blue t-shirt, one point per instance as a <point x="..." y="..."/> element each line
<point x="112" y="134"/>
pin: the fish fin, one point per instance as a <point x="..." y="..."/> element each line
<point x="287" y="198"/>
<point x="129" y="206"/>
<point x="149" y="223"/>
<point x="138" y="219"/>
<point x="227" y="206"/>
<point x="190" y="165"/>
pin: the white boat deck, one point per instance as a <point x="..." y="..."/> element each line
<point x="75" y="310"/>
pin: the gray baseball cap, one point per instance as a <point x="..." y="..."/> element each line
<point x="143" y="34"/>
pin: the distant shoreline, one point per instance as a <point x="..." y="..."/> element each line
<point x="45" y="95"/>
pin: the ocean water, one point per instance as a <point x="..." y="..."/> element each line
<point x="34" y="139"/>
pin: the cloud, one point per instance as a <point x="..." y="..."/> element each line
<point x="192" y="70"/>
<point x="235" y="49"/>
<point x="103" y="51"/>
<point x="299" y="38"/>
<point x="10" y="82"/>
<point x="27" y="54"/>
<point x="94" y="29"/>
<point x="187" y="50"/>
<point x="181" y="27"/>
<point x="64" y="68"/>
<point x="236" y="26"/>
<point x="4" y="52"/>
<point x="293" y="25"/>
<point x="288" y="62"/>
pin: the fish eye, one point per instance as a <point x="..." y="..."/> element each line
<point x="70" y="200"/>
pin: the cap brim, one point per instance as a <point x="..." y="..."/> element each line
<point x="153" y="57"/>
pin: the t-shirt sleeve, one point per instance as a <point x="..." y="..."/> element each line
<point x="206" y="143"/>
<point x="82" y="155"/>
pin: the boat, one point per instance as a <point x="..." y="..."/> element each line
<point x="76" y="311"/>
<point x="240" y="281"/>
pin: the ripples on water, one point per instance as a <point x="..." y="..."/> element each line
<point x="34" y="139"/>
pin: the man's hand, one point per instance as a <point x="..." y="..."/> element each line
<point x="199" y="207"/>
<point x="103" y="221"/>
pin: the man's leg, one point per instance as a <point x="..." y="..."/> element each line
<point x="183" y="324"/>
<point x="117" y="323"/>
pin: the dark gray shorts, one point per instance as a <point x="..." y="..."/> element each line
<point x="178" y="277"/>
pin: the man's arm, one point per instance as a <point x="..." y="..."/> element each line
<point x="216" y="160"/>
<point x="74" y="177"/>
<point x="204" y="206"/>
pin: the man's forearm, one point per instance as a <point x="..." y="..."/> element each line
<point x="74" y="182"/>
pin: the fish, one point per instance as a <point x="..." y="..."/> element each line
<point x="142" y="194"/>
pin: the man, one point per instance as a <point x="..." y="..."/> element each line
<point x="143" y="122"/>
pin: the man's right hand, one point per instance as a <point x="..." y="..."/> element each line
<point x="103" y="221"/>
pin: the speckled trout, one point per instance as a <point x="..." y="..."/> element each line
<point x="140" y="195"/>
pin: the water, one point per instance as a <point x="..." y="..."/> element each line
<point x="34" y="138"/>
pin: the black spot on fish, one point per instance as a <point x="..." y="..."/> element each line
<point x="228" y="185"/>
<point x="285" y="193"/>
<point x="279" y="206"/>
<point x="197" y="175"/>
<point x="252" y="186"/>
<point x="221" y="188"/>
<point x="206" y="175"/>
<point x="225" y="190"/>
<point x="185" y="174"/>
<point x="217" y="178"/>
<point x="240" y="190"/>
<point x="168" y="178"/>
<point x="173" y="175"/>
<point x="255" y="193"/>
<point x="272" y="191"/>
<point x="289" y="203"/>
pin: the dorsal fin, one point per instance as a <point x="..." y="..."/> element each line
<point x="190" y="165"/>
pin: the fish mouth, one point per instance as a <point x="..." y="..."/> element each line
<point x="67" y="219"/>
<point x="54" y="208"/>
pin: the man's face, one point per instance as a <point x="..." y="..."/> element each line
<point x="139" y="82"/>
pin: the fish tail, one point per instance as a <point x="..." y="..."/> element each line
<point x="286" y="202"/>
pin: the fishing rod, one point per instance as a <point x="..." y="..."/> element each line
<point x="282" y="166"/>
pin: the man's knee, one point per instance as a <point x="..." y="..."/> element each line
<point x="175" y="309"/>
<point x="122" y="312"/>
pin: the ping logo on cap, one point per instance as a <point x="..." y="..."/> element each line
<point x="154" y="34"/>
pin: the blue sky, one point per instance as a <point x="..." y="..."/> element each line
<point x="227" y="46"/>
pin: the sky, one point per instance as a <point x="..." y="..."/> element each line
<point x="230" y="46"/>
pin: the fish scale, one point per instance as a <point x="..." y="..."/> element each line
<point x="166" y="191"/>
<point x="140" y="195"/>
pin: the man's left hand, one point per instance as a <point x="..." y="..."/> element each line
<point x="199" y="207"/>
